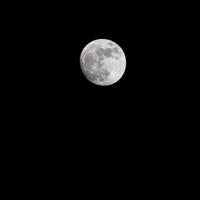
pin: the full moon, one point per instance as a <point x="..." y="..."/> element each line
<point x="103" y="62"/>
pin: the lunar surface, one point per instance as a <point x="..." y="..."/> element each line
<point x="103" y="62"/>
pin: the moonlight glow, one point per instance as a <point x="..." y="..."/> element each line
<point x="103" y="62"/>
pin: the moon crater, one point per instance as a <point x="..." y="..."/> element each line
<point x="103" y="62"/>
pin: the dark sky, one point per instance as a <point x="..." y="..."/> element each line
<point x="58" y="118"/>
<point x="51" y="38"/>
<point x="141" y="32"/>
<point x="65" y="132"/>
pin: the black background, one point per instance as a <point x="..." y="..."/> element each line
<point x="51" y="92"/>
<point x="61" y="116"/>
<point x="47" y="39"/>
<point x="50" y="38"/>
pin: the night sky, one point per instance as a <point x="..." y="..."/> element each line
<point x="51" y="86"/>
<point x="63" y="130"/>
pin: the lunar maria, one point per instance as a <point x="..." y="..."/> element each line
<point x="103" y="62"/>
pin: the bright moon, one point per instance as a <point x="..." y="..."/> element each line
<point x="103" y="62"/>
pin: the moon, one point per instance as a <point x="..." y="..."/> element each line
<point x="103" y="62"/>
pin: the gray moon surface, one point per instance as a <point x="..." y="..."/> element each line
<point x="103" y="62"/>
